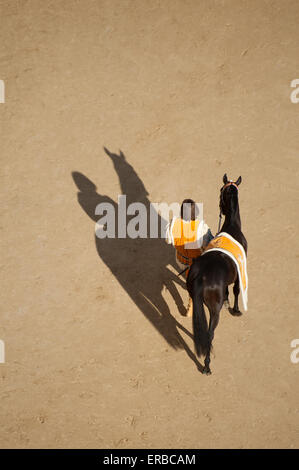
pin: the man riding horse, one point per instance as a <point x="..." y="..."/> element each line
<point x="189" y="235"/>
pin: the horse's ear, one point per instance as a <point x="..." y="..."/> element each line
<point x="225" y="178"/>
<point x="239" y="180"/>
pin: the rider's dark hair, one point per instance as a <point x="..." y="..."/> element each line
<point x="189" y="210"/>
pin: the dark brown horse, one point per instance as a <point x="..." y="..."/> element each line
<point x="211" y="274"/>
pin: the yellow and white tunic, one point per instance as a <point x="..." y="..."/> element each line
<point x="189" y="238"/>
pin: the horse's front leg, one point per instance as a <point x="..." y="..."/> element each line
<point x="236" y="289"/>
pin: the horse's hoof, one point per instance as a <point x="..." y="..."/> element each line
<point x="235" y="313"/>
<point x="226" y="304"/>
<point x="207" y="371"/>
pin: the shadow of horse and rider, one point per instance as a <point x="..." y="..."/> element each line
<point x="140" y="264"/>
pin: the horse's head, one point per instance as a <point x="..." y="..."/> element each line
<point x="226" y="193"/>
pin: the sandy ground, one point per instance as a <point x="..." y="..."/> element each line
<point x="98" y="353"/>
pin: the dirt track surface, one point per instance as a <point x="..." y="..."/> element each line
<point x="98" y="353"/>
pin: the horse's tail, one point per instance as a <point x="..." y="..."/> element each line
<point x="200" y="326"/>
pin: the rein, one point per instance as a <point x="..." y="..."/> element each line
<point x="184" y="270"/>
<point x="219" y="223"/>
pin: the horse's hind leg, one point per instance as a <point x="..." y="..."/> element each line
<point x="214" y="319"/>
<point x="226" y="301"/>
<point x="235" y="310"/>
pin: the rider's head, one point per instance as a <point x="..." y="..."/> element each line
<point x="189" y="210"/>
